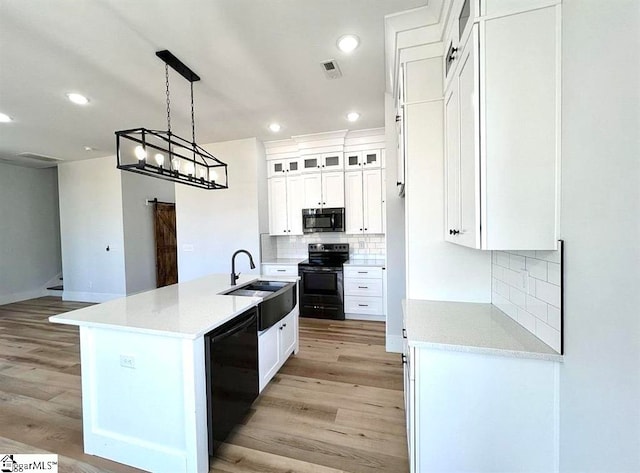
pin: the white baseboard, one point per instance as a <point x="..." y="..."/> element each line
<point x="374" y="318"/>
<point x="21" y="296"/>
<point x="89" y="296"/>
<point x="394" y="343"/>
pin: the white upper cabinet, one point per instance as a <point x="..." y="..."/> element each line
<point x="333" y="189"/>
<point x="332" y="161"/>
<point x="502" y="120"/>
<point x="312" y="163"/>
<point x="363" y="201"/>
<point x="279" y="167"/>
<point x="371" y="159"/>
<point x="286" y="197"/>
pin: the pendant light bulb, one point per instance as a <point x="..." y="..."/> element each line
<point x="214" y="176"/>
<point x="160" y="159"/>
<point x="189" y="169"/>
<point x="175" y="164"/>
<point x="140" y="153"/>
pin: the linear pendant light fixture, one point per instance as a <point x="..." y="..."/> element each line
<point x="166" y="156"/>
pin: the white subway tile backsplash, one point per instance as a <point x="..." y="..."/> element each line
<point x="505" y="306"/>
<point x="518" y="297"/>
<point x="497" y="271"/>
<point x="553" y="274"/>
<point x="549" y="293"/>
<point x="503" y="259"/>
<point x="526" y="286"/>
<point x="553" y="317"/>
<point x="548" y="335"/>
<point x="537" y="307"/>
<point x="537" y="268"/>
<point x="527" y="320"/>
<point x="360" y="245"/>
<point x="516" y="262"/>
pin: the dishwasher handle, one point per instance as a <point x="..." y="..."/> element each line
<point x="234" y="329"/>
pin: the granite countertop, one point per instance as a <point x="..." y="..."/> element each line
<point x="283" y="261"/>
<point x="471" y="327"/>
<point x="373" y="262"/>
<point x="184" y="310"/>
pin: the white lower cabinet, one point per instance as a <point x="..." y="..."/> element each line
<point x="280" y="269"/>
<point x="275" y="345"/>
<point x="479" y="412"/>
<point x="364" y="292"/>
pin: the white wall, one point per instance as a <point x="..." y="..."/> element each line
<point x="212" y="225"/>
<point x="436" y="269"/>
<point x="91" y="221"/>
<point x="600" y="224"/>
<point x="139" y="239"/>
<point x="396" y="268"/>
<point x="29" y="231"/>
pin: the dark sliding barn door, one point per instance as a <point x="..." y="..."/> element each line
<point x="166" y="246"/>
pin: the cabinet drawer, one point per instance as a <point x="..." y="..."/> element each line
<point x="279" y="270"/>
<point x="363" y="305"/>
<point x="363" y="272"/>
<point x="363" y="287"/>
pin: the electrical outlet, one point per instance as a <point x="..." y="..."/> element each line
<point x="128" y="361"/>
<point x="361" y="244"/>
<point x="90" y="284"/>
<point x="525" y="280"/>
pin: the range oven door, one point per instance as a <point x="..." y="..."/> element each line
<point x="321" y="292"/>
<point x="323" y="220"/>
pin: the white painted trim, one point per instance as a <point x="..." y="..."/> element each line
<point x="89" y="296"/>
<point x="22" y="296"/>
<point x="394" y="344"/>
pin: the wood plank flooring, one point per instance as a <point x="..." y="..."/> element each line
<point x="336" y="406"/>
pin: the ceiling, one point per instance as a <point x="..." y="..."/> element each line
<point x="259" y="61"/>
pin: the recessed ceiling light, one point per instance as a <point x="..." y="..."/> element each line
<point x="88" y="148"/>
<point x="275" y="127"/>
<point x="348" y="43"/>
<point x="77" y="98"/>
<point x="353" y="116"/>
<point x="4" y="118"/>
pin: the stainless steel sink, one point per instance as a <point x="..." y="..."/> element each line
<point x="278" y="299"/>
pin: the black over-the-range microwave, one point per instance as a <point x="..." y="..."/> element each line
<point x="323" y="220"/>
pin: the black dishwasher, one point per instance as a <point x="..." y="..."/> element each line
<point x="231" y="359"/>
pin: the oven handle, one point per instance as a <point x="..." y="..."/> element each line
<point x="319" y="269"/>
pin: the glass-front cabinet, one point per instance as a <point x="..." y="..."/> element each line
<point x="371" y="159"/>
<point x="279" y="167"/>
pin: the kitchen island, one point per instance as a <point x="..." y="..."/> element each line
<point x="143" y="372"/>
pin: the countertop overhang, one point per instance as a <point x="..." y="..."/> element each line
<point x="183" y="310"/>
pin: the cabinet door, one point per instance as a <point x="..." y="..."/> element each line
<point x="353" y="202"/>
<point x="278" y="224"/>
<point x="268" y="354"/>
<point x="287" y="329"/>
<point x="468" y="81"/>
<point x="372" y="159"/>
<point x="312" y="191"/>
<point x="452" y="164"/>
<point x="333" y="189"/>
<point x="332" y="161"/>
<point x="295" y="194"/>
<point x="294" y="166"/>
<point x="353" y="160"/>
<point x="372" y="200"/>
<point x="311" y="163"/>
<point x="276" y="167"/>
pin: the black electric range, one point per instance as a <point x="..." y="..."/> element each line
<point x="321" y="281"/>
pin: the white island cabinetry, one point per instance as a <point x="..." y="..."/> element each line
<point x="275" y="345"/>
<point x="143" y="369"/>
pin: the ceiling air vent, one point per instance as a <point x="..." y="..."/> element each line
<point x="331" y="69"/>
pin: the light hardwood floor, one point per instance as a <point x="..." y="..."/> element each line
<point x="336" y="406"/>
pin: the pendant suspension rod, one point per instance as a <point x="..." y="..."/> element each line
<point x="193" y="119"/>
<point x="166" y="75"/>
